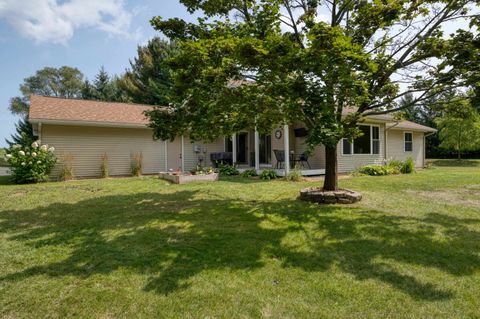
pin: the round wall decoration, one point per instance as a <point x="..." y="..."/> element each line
<point x="278" y="134"/>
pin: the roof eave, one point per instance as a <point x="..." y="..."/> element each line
<point x="87" y="123"/>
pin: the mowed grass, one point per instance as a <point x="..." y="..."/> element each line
<point x="239" y="248"/>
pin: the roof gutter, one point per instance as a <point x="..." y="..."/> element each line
<point x="88" y="123"/>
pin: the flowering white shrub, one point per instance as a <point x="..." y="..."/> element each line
<point x="30" y="164"/>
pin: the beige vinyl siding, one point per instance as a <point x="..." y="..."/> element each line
<point x="191" y="158"/>
<point x="87" y="144"/>
<point x="396" y="146"/>
<point x="174" y="154"/>
<point x="317" y="159"/>
<point x="348" y="163"/>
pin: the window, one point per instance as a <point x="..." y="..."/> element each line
<point x="346" y="147"/>
<point x="362" y="145"/>
<point x="408" y="141"/>
<point x="375" y="140"/>
<point x="368" y="143"/>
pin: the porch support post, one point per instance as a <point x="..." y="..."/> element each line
<point x="183" y="154"/>
<point x="257" y="151"/>
<point x="286" y="148"/>
<point x="234" y="149"/>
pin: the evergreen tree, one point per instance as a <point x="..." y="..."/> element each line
<point x="23" y="134"/>
<point x="149" y="79"/>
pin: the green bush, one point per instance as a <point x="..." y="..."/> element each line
<point x="396" y="165"/>
<point x="199" y="170"/>
<point x="392" y="168"/>
<point x="228" y="170"/>
<point x="375" y="170"/>
<point x="408" y="166"/>
<point x="268" y="174"/>
<point x="249" y="173"/>
<point x="30" y="164"/>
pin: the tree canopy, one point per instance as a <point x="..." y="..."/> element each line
<point x="308" y="61"/>
<point x="60" y="82"/>
<point x="459" y="127"/>
<point x="104" y="88"/>
<point x="149" y="78"/>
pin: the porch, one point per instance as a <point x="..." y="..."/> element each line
<point x="281" y="150"/>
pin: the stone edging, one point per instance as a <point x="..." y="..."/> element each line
<point x="318" y="195"/>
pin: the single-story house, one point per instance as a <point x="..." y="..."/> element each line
<point x="88" y="129"/>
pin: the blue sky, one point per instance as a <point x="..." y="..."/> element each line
<point x="86" y="34"/>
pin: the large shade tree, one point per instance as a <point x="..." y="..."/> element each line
<point x="59" y="82"/>
<point x="308" y="61"/>
<point x="459" y="127"/>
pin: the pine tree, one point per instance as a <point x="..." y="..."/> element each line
<point x="23" y="134"/>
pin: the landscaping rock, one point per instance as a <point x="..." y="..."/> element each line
<point x="341" y="196"/>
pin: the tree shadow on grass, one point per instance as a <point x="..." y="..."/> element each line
<point x="172" y="237"/>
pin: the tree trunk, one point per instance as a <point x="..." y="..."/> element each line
<point x="459" y="156"/>
<point x="331" y="170"/>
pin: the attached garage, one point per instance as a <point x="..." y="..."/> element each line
<point x="88" y="129"/>
<point x="88" y="143"/>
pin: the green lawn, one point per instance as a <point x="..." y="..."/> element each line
<point x="241" y="248"/>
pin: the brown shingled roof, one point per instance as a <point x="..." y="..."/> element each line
<point x="44" y="109"/>
<point x="70" y="110"/>
<point x="407" y="125"/>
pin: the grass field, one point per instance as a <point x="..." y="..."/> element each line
<point x="139" y="247"/>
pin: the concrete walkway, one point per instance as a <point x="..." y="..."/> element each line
<point x="4" y="171"/>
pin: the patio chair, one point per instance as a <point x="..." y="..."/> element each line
<point x="304" y="159"/>
<point x="280" y="157"/>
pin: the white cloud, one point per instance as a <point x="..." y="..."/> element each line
<point x="56" y="21"/>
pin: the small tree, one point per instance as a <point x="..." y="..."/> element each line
<point x="460" y="129"/>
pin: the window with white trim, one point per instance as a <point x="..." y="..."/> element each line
<point x="408" y="138"/>
<point x="368" y="143"/>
